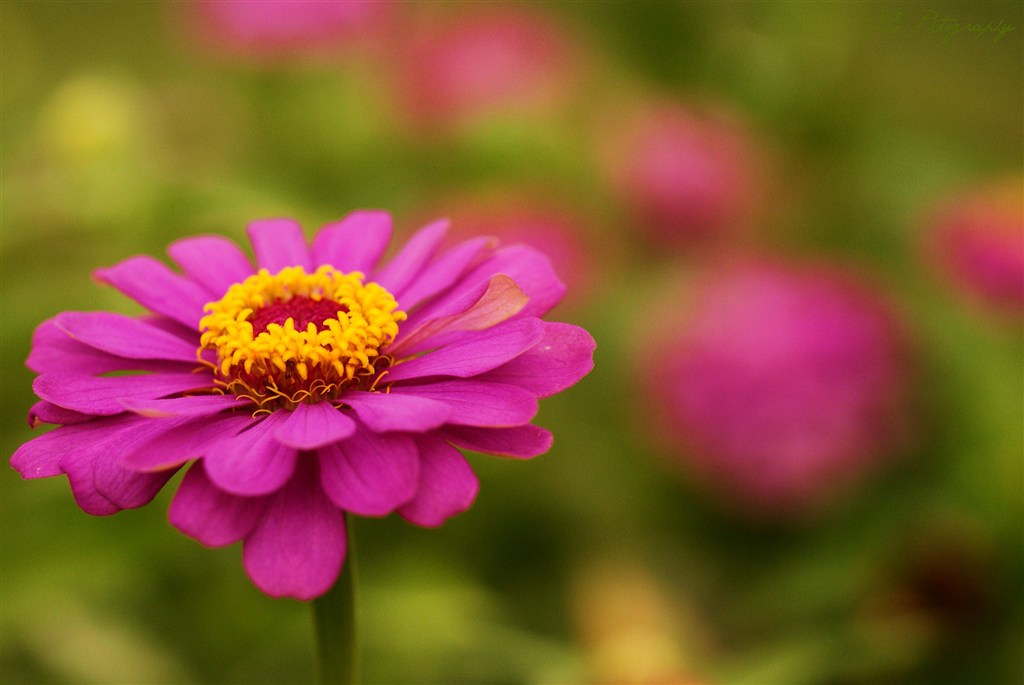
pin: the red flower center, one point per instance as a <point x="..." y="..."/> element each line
<point x="302" y="310"/>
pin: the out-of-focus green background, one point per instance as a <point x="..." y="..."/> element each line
<point x="122" y="131"/>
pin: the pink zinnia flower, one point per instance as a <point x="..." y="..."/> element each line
<point x="687" y="178"/>
<point x="277" y="28"/>
<point x="325" y="385"/>
<point x="457" y="69"/>
<point x="781" y="384"/>
<point x="978" y="242"/>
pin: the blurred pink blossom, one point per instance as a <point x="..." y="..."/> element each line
<point x="458" y="68"/>
<point x="978" y="242"/>
<point x="549" y="227"/>
<point x="780" y="384"/>
<point x="684" y="177"/>
<point x="273" y="29"/>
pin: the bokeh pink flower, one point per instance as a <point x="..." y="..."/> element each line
<point x="977" y="242"/>
<point x="684" y="177"/>
<point x="278" y="29"/>
<point x="459" y="67"/>
<point x="780" y="385"/>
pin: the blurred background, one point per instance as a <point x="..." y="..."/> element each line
<point x="794" y="229"/>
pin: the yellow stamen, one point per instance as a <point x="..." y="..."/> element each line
<point x="288" y="361"/>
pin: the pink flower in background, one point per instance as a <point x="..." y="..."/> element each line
<point x="684" y="178"/>
<point x="458" y="68"/>
<point x="316" y="384"/>
<point x="278" y="28"/>
<point x="978" y="242"/>
<point x="550" y="228"/>
<point x="779" y="384"/>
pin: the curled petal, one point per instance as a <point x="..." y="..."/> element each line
<point x="484" y="306"/>
<point x="474" y="352"/>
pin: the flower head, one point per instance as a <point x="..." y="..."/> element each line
<point x="687" y="178"/>
<point x="315" y="384"/>
<point x="977" y="240"/>
<point x="457" y="70"/>
<point x="781" y="384"/>
<point x="271" y="29"/>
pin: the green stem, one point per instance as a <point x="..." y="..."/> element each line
<point x="335" y="619"/>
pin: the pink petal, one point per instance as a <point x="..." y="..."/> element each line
<point x="532" y="271"/>
<point x="102" y="395"/>
<point x="298" y="546"/>
<point x="522" y="442"/>
<point x="102" y="487"/>
<point x="563" y="357"/>
<point x="213" y="517"/>
<point x="55" y="350"/>
<point x="383" y="412"/>
<point x="473" y="403"/>
<point x="153" y="285"/>
<point x="278" y="243"/>
<point x="213" y="261"/>
<point x="447" y="484"/>
<point x="88" y="453"/>
<point x="407" y="264"/>
<point x="484" y="306"/>
<point x="181" y="439"/>
<point x="529" y="268"/>
<point x="370" y="474"/>
<point x="474" y="352"/>
<point x="47" y="412"/>
<point x="124" y="488"/>
<point x="41" y="456"/>
<point x="193" y="405"/>
<point x="252" y="462"/>
<point x="125" y="336"/>
<point x="442" y="272"/>
<point x="310" y="426"/>
<point x="356" y="243"/>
